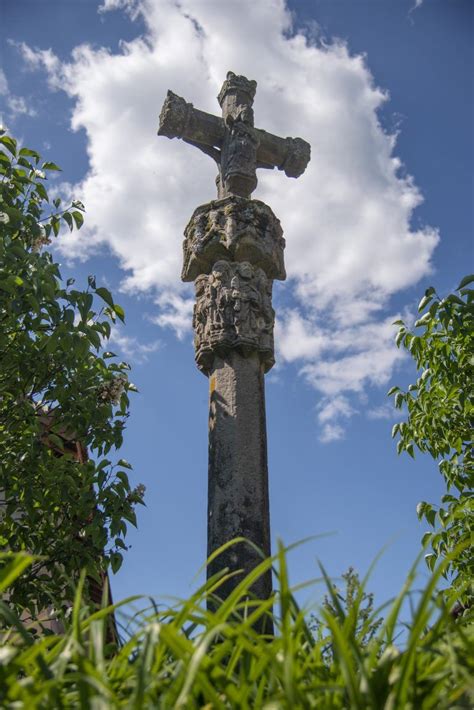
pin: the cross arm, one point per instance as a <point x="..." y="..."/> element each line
<point x="179" y="119"/>
<point x="289" y="154"/>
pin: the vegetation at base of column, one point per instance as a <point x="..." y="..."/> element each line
<point x="64" y="498"/>
<point x="345" y="601"/>
<point x="186" y="656"/>
<point x="440" y="419"/>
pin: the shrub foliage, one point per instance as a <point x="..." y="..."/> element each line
<point x="60" y="396"/>
<point x="440" y="417"/>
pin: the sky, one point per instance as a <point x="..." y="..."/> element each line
<point x="383" y="92"/>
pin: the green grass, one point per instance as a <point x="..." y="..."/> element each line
<point x="186" y="656"/>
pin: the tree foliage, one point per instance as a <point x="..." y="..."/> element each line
<point x="60" y="395"/>
<point x="440" y="417"/>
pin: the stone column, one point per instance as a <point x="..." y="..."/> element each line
<point x="233" y="250"/>
<point x="238" y="504"/>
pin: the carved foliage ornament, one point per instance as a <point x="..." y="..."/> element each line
<point x="233" y="310"/>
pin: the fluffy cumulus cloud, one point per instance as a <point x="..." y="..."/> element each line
<point x="130" y="347"/>
<point x="347" y="220"/>
<point x="14" y="105"/>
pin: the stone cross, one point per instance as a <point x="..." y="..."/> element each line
<point x="232" y="141"/>
<point x="233" y="250"/>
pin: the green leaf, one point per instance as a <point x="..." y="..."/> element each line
<point x="68" y="219"/>
<point x="124" y="463"/>
<point x="14" y="568"/>
<point x="105" y="295"/>
<point x="30" y="153"/>
<point x="392" y="390"/>
<point x="424" y="302"/>
<point x="452" y="298"/>
<point x="400" y="336"/>
<point x="78" y="218"/>
<point x="423" y="320"/>
<point x="430" y="561"/>
<point x="56" y="225"/>
<point x="57" y="441"/>
<point x="120" y="312"/>
<point x="9" y="143"/>
<point x="116" y="560"/>
<point x="50" y="166"/>
<point x="41" y="190"/>
<point x="465" y="281"/>
<point x="426" y="538"/>
<point x="421" y="508"/>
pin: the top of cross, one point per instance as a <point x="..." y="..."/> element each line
<point x="232" y="141"/>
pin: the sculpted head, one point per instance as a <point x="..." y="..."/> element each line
<point x="245" y="270"/>
<point x="220" y="270"/>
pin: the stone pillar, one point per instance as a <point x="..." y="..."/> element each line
<point x="238" y="504"/>
<point x="233" y="250"/>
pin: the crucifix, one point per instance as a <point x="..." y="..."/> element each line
<point x="233" y="250"/>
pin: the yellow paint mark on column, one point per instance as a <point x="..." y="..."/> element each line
<point x="212" y="384"/>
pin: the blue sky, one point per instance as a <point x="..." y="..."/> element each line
<point x="383" y="91"/>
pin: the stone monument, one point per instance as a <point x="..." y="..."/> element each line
<point x="233" y="250"/>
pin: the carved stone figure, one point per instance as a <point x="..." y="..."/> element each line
<point x="235" y="229"/>
<point x="233" y="311"/>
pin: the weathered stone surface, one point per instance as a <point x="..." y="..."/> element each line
<point x="233" y="311"/>
<point x="179" y="119"/>
<point x="235" y="229"/>
<point x="236" y="91"/>
<point x="238" y="502"/>
<point x="237" y="147"/>
<point x="233" y="249"/>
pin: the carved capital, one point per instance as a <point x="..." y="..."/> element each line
<point x="175" y="116"/>
<point x="234" y="229"/>
<point x="233" y="311"/>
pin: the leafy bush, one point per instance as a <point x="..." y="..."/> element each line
<point x="60" y="396"/>
<point x="440" y="416"/>
<point x="188" y="657"/>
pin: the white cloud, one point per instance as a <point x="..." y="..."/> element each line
<point x="384" y="411"/>
<point x="175" y="311"/>
<point x="130" y="6"/>
<point x="331" y="432"/>
<point x="335" y="408"/>
<point x="3" y="83"/>
<point x="16" y="105"/>
<point x="347" y="220"/>
<point x="131" y="348"/>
